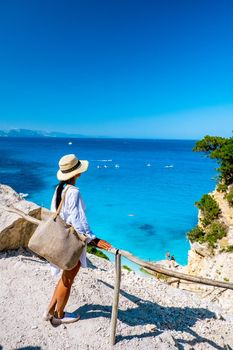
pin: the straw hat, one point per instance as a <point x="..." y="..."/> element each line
<point x="70" y="166"/>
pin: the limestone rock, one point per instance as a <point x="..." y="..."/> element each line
<point x="226" y="210"/>
<point x="216" y="263"/>
<point x="15" y="231"/>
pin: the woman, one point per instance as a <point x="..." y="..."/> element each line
<point x="73" y="212"/>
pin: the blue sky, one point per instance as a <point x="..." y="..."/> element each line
<point x="154" y="69"/>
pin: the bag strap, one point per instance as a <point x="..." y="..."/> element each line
<point x="19" y="212"/>
<point x="29" y="218"/>
<point x="61" y="203"/>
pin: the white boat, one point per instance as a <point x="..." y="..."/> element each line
<point x="69" y="143"/>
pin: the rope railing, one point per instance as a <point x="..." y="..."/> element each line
<point x="155" y="268"/>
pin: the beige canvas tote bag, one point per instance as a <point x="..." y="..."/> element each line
<point x="58" y="242"/>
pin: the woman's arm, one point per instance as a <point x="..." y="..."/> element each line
<point x="80" y="223"/>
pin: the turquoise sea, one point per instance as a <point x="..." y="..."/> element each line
<point x="139" y="194"/>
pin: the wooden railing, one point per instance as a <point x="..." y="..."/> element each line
<point x="155" y="268"/>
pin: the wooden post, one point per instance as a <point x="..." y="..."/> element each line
<point x="116" y="297"/>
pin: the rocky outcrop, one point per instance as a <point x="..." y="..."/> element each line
<point x="201" y="257"/>
<point x="226" y="210"/>
<point x="15" y="231"/>
<point x="214" y="263"/>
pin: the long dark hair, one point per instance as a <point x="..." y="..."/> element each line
<point x="60" y="188"/>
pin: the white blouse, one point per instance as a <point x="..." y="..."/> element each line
<point x="73" y="213"/>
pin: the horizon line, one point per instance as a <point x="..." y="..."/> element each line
<point x="100" y="137"/>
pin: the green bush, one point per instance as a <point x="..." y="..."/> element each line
<point x="222" y="187"/>
<point x="215" y="231"/>
<point x="162" y="277"/>
<point x="229" y="197"/>
<point x="94" y="251"/>
<point x="229" y="249"/>
<point x="196" y="235"/>
<point x="209" y="208"/>
<point x="127" y="268"/>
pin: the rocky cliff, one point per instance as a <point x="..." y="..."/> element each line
<point x="15" y="231"/>
<point x="214" y="262"/>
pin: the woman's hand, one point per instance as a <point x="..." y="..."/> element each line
<point x="103" y="245"/>
<point x="100" y="243"/>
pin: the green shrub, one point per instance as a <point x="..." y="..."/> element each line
<point x="127" y="268"/>
<point x="196" y="235"/>
<point x="209" y="208"/>
<point x="229" y="249"/>
<point x="94" y="251"/>
<point x="222" y="187"/>
<point x="226" y="279"/>
<point x="215" y="231"/>
<point x="229" y="197"/>
<point x="162" y="277"/>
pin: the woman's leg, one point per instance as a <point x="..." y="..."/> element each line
<point x="62" y="291"/>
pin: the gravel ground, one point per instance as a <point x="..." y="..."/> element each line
<point x="152" y="315"/>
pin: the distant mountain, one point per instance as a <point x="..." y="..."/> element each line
<point x="35" y="133"/>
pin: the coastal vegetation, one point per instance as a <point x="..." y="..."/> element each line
<point x="97" y="252"/>
<point x="221" y="149"/>
<point x="197" y="234"/>
<point x="209" y="208"/>
<point x="229" y="197"/>
<point x="126" y="267"/>
<point x="222" y="188"/>
<point x="210" y="229"/>
<point x="230" y="249"/>
<point x="212" y="233"/>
